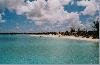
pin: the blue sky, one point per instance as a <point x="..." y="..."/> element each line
<point x="25" y="20"/>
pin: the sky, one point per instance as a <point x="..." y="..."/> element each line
<point x="47" y="15"/>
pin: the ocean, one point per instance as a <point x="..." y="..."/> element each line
<point x="25" y="49"/>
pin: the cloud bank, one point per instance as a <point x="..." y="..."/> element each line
<point x="50" y="12"/>
<point x="91" y="7"/>
<point x="1" y="20"/>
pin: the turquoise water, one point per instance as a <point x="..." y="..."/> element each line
<point x="24" y="49"/>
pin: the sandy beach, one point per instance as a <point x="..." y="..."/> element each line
<point x="69" y="37"/>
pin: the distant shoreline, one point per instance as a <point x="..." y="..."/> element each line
<point x="56" y="36"/>
<point x="68" y="37"/>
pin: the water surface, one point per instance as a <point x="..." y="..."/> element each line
<point x="24" y="49"/>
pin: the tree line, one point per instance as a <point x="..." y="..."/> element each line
<point x="84" y="33"/>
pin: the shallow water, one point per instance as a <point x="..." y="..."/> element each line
<point x="24" y="49"/>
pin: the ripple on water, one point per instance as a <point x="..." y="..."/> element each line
<point x="23" y="49"/>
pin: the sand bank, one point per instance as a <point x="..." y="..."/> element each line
<point x="69" y="37"/>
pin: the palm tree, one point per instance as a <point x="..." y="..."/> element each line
<point x="96" y="27"/>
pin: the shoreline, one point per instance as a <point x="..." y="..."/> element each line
<point x="68" y="37"/>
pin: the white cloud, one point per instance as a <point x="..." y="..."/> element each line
<point x="91" y="7"/>
<point x="40" y="10"/>
<point x="50" y="12"/>
<point x="1" y="20"/>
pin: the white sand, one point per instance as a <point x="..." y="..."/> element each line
<point x="69" y="37"/>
